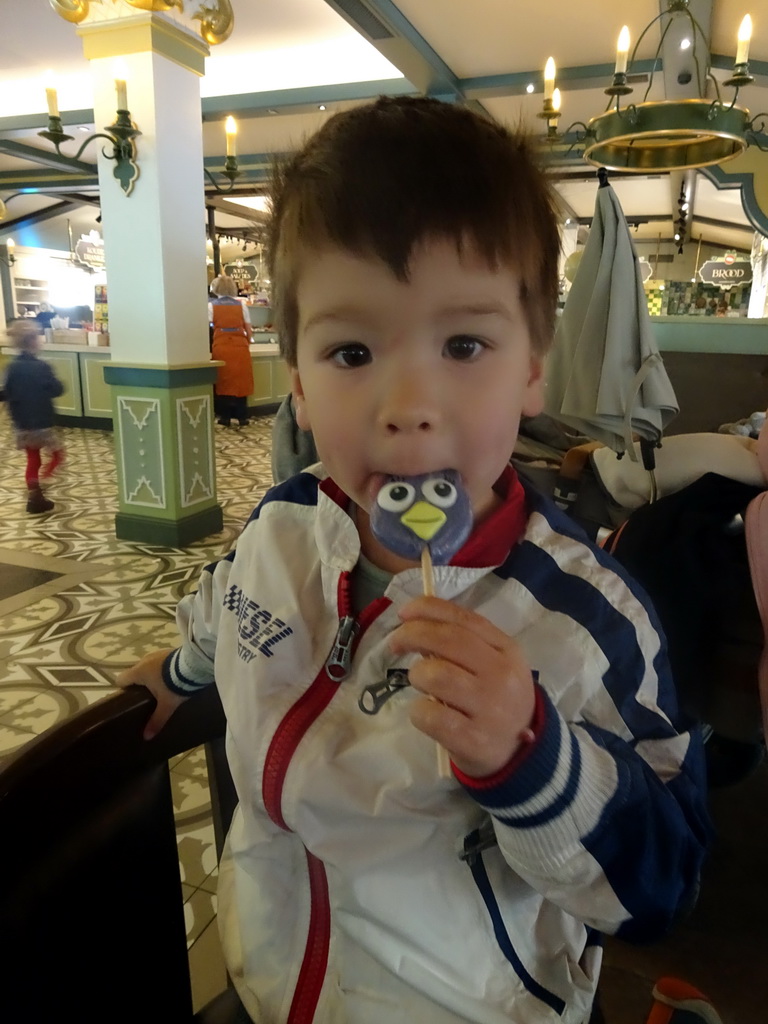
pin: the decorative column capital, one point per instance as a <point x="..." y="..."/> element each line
<point x="144" y="33"/>
<point x="216" y="19"/>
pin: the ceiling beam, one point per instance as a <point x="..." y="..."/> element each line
<point x="589" y="76"/>
<point x="23" y="124"/>
<point x="384" y="26"/>
<point x="46" y="181"/>
<point x="80" y="199"/>
<point x="298" y="101"/>
<point x="40" y="215"/>
<point x="255" y="217"/>
<point x="45" y="157"/>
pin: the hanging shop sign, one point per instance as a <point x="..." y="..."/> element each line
<point x="646" y="269"/>
<point x="727" y="272"/>
<point x="241" y="271"/>
<point x="90" y="251"/>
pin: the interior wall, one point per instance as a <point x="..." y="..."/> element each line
<point x="53" y="233"/>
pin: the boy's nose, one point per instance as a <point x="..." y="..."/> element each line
<point x="409" y="406"/>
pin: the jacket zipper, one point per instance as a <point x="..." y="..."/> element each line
<point x="285" y="741"/>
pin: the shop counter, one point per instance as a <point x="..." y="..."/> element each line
<point x="271" y="379"/>
<point x="86" y="397"/>
<point x="87" y="400"/>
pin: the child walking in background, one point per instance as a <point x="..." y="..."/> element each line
<point x="414" y="264"/>
<point x="30" y="387"/>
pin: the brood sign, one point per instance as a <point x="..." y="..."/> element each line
<point x="724" y="274"/>
<point x="241" y="271"/>
<point x="90" y="251"/>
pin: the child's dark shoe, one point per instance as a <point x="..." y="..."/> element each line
<point x="37" y="502"/>
<point x="677" y="1002"/>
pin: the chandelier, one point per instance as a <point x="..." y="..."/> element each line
<point x="665" y="135"/>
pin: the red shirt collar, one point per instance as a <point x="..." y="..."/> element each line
<point x="491" y="540"/>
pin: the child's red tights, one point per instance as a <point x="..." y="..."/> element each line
<point x="34" y="459"/>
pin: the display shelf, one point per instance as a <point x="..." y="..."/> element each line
<point x="30" y="292"/>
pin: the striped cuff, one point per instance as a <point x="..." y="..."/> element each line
<point x="541" y="778"/>
<point x="181" y="678"/>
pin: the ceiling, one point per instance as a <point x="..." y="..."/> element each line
<point x="287" y="59"/>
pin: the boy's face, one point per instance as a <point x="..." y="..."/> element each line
<point x="397" y="378"/>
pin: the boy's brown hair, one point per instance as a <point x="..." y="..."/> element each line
<point x="380" y="178"/>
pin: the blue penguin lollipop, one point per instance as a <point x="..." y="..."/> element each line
<point x="430" y="511"/>
<point x="425" y="517"/>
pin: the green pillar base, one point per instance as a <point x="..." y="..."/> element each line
<point x="164" y="453"/>
<point x="174" y="533"/>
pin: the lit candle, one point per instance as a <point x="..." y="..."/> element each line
<point x="230" y="127"/>
<point x="622" y="49"/>
<point x="50" y="95"/>
<point x="120" y="73"/>
<point x="745" y="34"/>
<point x="549" y="78"/>
<point x="556" y="99"/>
<point x="121" y="89"/>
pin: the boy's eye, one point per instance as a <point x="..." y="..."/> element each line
<point x="463" y="347"/>
<point x="351" y="355"/>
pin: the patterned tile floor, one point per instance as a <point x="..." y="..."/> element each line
<point x="77" y="605"/>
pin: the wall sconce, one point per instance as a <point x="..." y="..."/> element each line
<point x="550" y="110"/>
<point x="231" y="169"/>
<point x="121" y="134"/>
<point x="9" y="259"/>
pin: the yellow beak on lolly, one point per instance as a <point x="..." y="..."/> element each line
<point x="423" y="519"/>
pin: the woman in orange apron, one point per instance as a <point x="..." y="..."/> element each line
<point x="231" y="337"/>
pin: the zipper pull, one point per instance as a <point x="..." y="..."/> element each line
<point x="483" y="838"/>
<point x="340" y="658"/>
<point x="374" y="697"/>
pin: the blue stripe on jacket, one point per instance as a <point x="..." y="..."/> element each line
<point x="651" y="837"/>
<point x="581" y="601"/>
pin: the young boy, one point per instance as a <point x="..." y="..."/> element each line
<point x="414" y="264"/>
<point x="30" y="387"/>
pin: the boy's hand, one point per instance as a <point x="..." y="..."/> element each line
<point x="149" y="672"/>
<point x="482" y="687"/>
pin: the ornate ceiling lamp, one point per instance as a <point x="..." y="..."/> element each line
<point x="676" y="134"/>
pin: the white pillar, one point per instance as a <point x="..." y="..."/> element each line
<point x="154" y="238"/>
<point x="160" y="370"/>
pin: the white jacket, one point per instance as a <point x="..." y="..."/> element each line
<point x="342" y="895"/>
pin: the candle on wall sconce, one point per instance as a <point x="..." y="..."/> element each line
<point x="743" y="38"/>
<point x="121" y="86"/>
<point x="230" y="128"/>
<point x="50" y="95"/>
<point x="231" y="170"/>
<point x="122" y="93"/>
<point x="121" y="134"/>
<point x="549" y="78"/>
<point x="622" y="51"/>
<point x="9" y="259"/>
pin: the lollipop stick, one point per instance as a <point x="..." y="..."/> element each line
<point x="427" y="576"/>
<point x="428" y="580"/>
